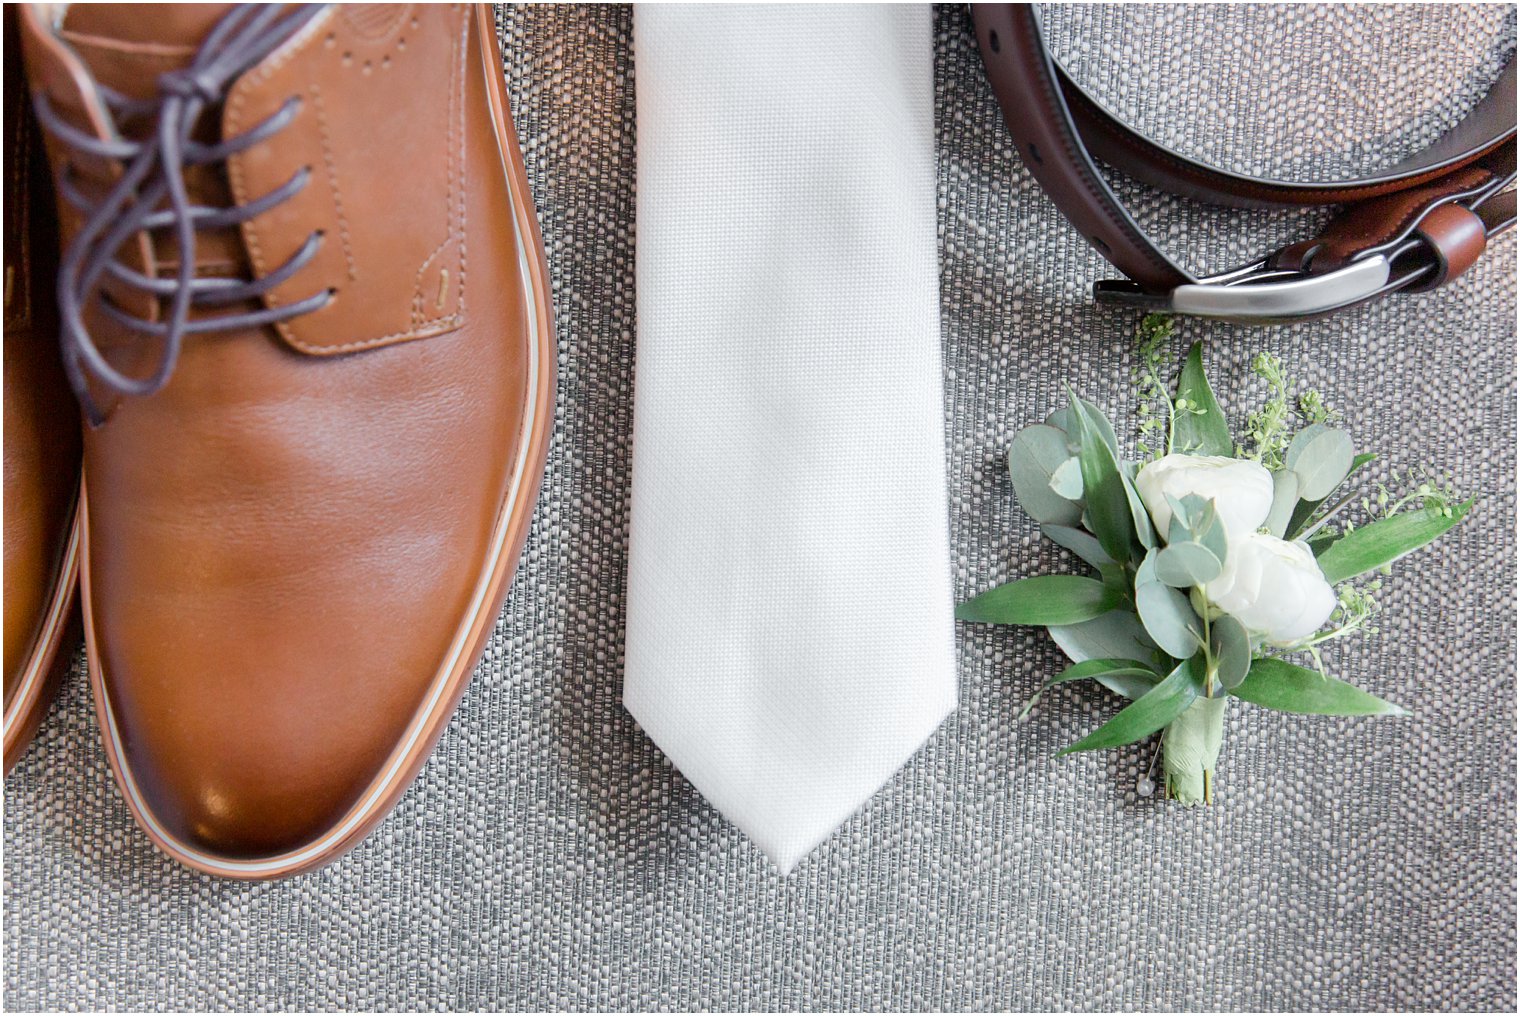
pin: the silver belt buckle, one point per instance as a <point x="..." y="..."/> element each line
<point x="1260" y="294"/>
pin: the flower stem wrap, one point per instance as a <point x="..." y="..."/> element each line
<point x="1190" y="750"/>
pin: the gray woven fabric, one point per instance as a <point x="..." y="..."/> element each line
<point x="549" y="857"/>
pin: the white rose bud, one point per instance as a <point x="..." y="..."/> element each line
<point x="1273" y="587"/>
<point x="1240" y="489"/>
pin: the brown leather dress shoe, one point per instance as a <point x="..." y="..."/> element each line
<point x="305" y="305"/>
<point x="41" y="433"/>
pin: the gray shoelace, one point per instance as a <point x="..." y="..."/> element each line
<point x="151" y="195"/>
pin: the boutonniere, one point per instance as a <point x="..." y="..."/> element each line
<point x="1217" y="569"/>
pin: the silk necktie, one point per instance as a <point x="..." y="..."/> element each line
<point x="790" y="637"/>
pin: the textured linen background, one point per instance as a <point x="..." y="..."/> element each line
<point x="549" y="857"/>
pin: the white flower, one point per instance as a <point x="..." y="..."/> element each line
<point x="1273" y="587"/>
<point x="1240" y="489"/>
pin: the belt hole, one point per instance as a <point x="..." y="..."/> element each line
<point x="992" y="40"/>
<point x="1098" y="243"/>
<point x="1034" y="153"/>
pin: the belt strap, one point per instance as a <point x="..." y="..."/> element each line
<point x="1413" y="226"/>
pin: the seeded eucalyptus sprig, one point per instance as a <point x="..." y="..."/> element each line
<point x="1209" y="562"/>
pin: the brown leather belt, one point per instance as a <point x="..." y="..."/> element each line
<point x="1412" y="227"/>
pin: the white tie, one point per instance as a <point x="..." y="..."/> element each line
<point x="790" y="638"/>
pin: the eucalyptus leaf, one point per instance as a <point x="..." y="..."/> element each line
<point x="1037" y="452"/>
<point x="1116" y="635"/>
<point x="1080" y="542"/>
<point x="1166" y="614"/>
<point x="1042" y="600"/>
<point x="1321" y="455"/>
<point x="1200" y="429"/>
<point x="1148" y="713"/>
<point x="1168" y="618"/>
<point x="1195" y="504"/>
<point x="1285" y="488"/>
<point x="1278" y="684"/>
<point x="1103" y="485"/>
<point x="1067" y="480"/>
<point x="1230" y="646"/>
<point x="1385" y="541"/>
<point x="1214" y="536"/>
<point x="1302" y="440"/>
<point x="1195" y="520"/>
<point x="1180" y="512"/>
<point x="1306" y="509"/>
<point x="1130" y="674"/>
<point x="1187" y="564"/>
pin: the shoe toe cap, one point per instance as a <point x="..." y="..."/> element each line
<point x="249" y="745"/>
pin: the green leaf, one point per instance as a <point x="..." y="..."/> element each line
<point x="1065" y="419"/>
<point x="1148" y="713"/>
<point x="1306" y="509"/>
<point x="1201" y="428"/>
<point x="1315" y="529"/>
<point x="1385" y="541"/>
<point x="1128" y="674"/>
<point x="1108" y="507"/>
<point x="1230" y="645"/>
<point x="1137" y="512"/>
<point x="1166" y="614"/>
<point x="1067" y="480"/>
<point x="1187" y="564"/>
<point x="1130" y="684"/>
<point x="1116" y="635"/>
<point x="1096" y="668"/>
<point x="1037" y="452"/>
<point x="1042" y="600"/>
<point x="1285" y="487"/>
<point x="1080" y="542"/>
<point x="1322" y="456"/>
<point x="1278" y="684"/>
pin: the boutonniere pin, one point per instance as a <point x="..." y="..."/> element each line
<point x="1217" y="569"/>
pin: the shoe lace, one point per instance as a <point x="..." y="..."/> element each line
<point x="151" y="194"/>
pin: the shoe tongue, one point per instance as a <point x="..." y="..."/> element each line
<point x="127" y="46"/>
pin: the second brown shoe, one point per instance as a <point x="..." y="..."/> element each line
<point x="305" y="305"/>
<point x="41" y="434"/>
